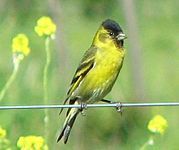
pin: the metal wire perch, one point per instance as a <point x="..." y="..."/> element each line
<point x="117" y="105"/>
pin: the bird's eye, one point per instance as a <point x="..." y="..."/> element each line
<point x="111" y="33"/>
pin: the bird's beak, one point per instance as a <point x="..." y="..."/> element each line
<point x="121" y="36"/>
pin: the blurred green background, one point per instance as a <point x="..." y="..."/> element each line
<point x="150" y="72"/>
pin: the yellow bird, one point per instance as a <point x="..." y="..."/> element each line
<point x="96" y="73"/>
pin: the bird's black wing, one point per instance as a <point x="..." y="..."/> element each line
<point x="86" y="64"/>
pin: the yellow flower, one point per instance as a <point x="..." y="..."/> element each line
<point x="32" y="143"/>
<point x="158" y="124"/>
<point x="2" y="132"/>
<point x="20" y="44"/>
<point x="45" y="26"/>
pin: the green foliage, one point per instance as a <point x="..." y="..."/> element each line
<point x="101" y="7"/>
<point x="77" y="23"/>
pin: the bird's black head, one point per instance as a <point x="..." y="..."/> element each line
<point x="112" y="26"/>
<point x="114" y="31"/>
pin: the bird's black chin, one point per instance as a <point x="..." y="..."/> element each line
<point x="120" y="43"/>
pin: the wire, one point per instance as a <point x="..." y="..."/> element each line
<point x="85" y="106"/>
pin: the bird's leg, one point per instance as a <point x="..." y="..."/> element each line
<point x="118" y="105"/>
<point x="82" y="108"/>
<point x="107" y="101"/>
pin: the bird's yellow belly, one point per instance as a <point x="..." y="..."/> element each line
<point x="101" y="78"/>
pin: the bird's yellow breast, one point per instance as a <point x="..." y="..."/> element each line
<point x="107" y="65"/>
<point x="102" y="76"/>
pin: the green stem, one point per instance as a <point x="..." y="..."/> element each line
<point x="144" y="146"/>
<point x="45" y="84"/>
<point x="150" y="142"/>
<point x="11" y="78"/>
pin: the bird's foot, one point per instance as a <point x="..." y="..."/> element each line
<point x="119" y="107"/>
<point x="83" y="108"/>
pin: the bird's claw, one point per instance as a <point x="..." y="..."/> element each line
<point x="82" y="108"/>
<point x="119" y="107"/>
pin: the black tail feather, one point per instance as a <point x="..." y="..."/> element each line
<point x="67" y="128"/>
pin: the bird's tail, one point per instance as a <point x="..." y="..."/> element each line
<point x="68" y="124"/>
